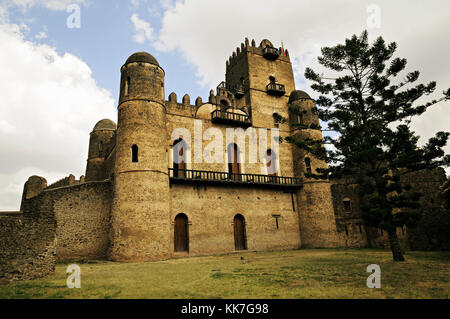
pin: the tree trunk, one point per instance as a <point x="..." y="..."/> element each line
<point x="395" y="245"/>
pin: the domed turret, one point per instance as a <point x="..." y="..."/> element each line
<point x="105" y="125"/>
<point x="302" y="111"/>
<point x="298" y="95"/>
<point x="143" y="57"/>
<point x="101" y="138"/>
<point x="142" y="78"/>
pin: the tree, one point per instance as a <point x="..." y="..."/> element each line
<point x="370" y="110"/>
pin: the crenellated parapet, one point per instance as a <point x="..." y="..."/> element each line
<point x="265" y="48"/>
<point x="67" y="181"/>
<point x="185" y="108"/>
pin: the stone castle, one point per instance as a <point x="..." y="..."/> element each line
<point x="147" y="196"/>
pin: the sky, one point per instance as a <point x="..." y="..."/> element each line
<point x="60" y="62"/>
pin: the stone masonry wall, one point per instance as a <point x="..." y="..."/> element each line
<point x="82" y="214"/>
<point x="432" y="231"/>
<point x="28" y="241"/>
<point x="211" y="210"/>
<point x="351" y="229"/>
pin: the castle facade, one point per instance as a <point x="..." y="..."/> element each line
<point x="175" y="178"/>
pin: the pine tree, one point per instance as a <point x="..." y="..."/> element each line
<point x="370" y="109"/>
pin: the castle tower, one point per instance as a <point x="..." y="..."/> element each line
<point x="140" y="222"/>
<point x="261" y="79"/>
<point x="264" y="77"/>
<point x="101" y="138"/>
<point x="314" y="200"/>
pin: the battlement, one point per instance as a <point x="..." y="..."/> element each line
<point x="185" y="108"/>
<point x="265" y="49"/>
<point x="66" y="181"/>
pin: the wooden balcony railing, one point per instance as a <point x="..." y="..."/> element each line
<point x="177" y="176"/>
<point x="230" y="118"/>
<point x="222" y="85"/>
<point x="271" y="53"/>
<point x="275" y="89"/>
<point x="237" y="89"/>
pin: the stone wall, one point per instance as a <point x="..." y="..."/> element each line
<point x="211" y="211"/>
<point x="351" y="230"/>
<point x="378" y="238"/>
<point x="82" y="214"/>
<point x="432" y="231"/>
<point x="28" y="241"/>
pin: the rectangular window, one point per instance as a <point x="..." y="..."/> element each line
<point x="276" y="220"/>
<point x="134" y="153"/>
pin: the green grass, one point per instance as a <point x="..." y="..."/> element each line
<point x="306" y="273"/>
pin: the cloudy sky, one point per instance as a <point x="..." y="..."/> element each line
<point x="58" y="77"/>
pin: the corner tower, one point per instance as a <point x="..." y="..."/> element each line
<point x="140" y="211"/>
<point x="101" y="139"/>
<point x="314" y="200"/>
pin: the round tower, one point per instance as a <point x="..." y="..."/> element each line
<point x="140" y="222"/>
<point x="100" y="141"/>
<point x="316" y="211"/>
<point x="304" y="123"/>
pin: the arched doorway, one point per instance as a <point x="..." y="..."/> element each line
<point x="240" y="242"/>
<point x="181" y="236"/>
<point x="179" y="158"/>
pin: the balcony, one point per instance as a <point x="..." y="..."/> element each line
<point x="230" y="118"/>
<point x="275" y="89"/>
<point x="233" y="179"/>
<point x="238" y="89"/>
<point x="270" y="53"/>
<point x="222" y="86"/>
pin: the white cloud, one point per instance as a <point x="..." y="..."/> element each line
<point x="50" y="103"/>
<point x="41" y="35"/>
<point x="206" y="36"/>
<point x="144" y="32"/>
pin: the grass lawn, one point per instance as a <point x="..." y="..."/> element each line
<point x="306" y="273"/>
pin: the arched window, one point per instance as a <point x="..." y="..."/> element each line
<point x="240" y="240"/>
<point x="181" y="234"/>
<point x="234" y="167"/>
<point x="127" y="84"/>
<point x="271" y="163"/>
<point x="134" y="153"/>
<point x="347" y="205"/>
<point x="179" y="158"/>
<point x="308" y="165"/>
<point x="223" y="104"/>
<point x="300" y="118"/>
